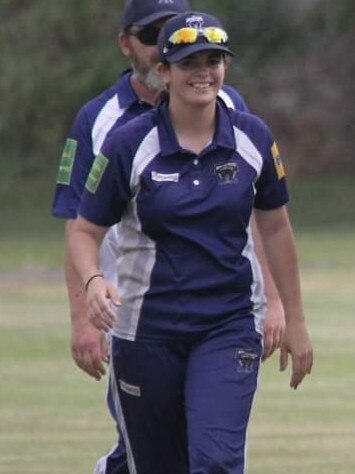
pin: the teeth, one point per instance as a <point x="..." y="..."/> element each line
<point x="201" y="85"/>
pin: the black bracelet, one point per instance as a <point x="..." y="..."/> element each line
<point x="91" y="278"/>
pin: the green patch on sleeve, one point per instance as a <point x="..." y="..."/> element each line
<point x="67" y="162"/>
<point x="96" y="173"/>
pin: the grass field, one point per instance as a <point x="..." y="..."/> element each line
<point x="312" y="430"/>
<point x="52" y="417"/>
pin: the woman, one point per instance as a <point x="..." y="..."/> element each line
<point x="182" y="181"/>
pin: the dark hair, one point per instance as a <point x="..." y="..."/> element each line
<point x="163" y="97"/>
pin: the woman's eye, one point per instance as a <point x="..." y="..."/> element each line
<point x="214" y="61"/>
<point x="187" y="64"/>
<point x="193" y="63"/>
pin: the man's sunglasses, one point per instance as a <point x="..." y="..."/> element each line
<point x="147" y="35"/>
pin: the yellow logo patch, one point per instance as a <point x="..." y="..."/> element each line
<point x="279" y="167"/>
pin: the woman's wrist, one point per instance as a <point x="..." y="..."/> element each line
<point x="91" y="278"/>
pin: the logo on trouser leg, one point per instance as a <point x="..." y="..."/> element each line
<point x="247" y="359"/>
<point x="130" y="389"/>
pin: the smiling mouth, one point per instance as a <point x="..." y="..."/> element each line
<point x="201" y="85"/>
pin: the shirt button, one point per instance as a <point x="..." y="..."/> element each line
<point x="196" y="182"/>
<point x="195" y="161"/>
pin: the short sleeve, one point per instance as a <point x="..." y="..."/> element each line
<point x="271" y="187"/>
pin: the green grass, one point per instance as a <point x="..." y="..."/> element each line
<point x="53" y="417"/>
<point x="312" y="430"/>
<point x="30" y="237"/>
<point x="326" y="203"/>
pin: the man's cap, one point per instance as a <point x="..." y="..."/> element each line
<point x="145" y="12"/>
<point x="191" y="32"/>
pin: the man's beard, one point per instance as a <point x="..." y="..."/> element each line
<point x="153" y="81"/>
<point x="149" y="77"/>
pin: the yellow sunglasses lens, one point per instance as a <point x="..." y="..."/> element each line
<point x="215" y="35"/>
<point x="190" y="35"/>
<point x="184" y="35"/>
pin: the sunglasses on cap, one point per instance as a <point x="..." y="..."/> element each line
<point x="189" y="35"/>
<point x="147" y="35"/>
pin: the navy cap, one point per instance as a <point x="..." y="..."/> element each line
<point x="145" y="12"/>
<point x="172" y="52"/>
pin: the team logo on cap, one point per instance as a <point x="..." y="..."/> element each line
<point x="194" y="21"/>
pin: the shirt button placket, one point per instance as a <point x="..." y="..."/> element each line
<point x="196" y="180"/>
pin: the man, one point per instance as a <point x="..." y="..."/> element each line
<point x="135" y="92"/>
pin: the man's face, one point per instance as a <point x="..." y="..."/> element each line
<point x="138" y="44"/>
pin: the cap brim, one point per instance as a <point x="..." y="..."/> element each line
<point x="155" y="17"/>
<point x="186" y="50"/>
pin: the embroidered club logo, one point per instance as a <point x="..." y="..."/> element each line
<point x="195" y="21"/>
<point x="227" y="173"/>
<point x="247" y="360"/>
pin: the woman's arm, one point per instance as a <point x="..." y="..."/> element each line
<point x="84" y="244"/>
<point x="88" y="345"/>
<point x="278" y="241"/>
<point x="274" y="324"/>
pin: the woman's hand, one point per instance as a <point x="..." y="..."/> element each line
<point x="274" y="327"/>
<point x="297" y="343"/>
<point x="102" y="300"/>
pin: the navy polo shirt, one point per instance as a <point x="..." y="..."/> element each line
<point x="112" y="108"/>
<point x="186" y="261"/>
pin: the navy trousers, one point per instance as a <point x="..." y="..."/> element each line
<point x="115" y="460"/>
<point x="184" y="407"/>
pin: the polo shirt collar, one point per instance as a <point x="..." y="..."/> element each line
<point x="223" y="137"/>
<point x="125" y="91"/>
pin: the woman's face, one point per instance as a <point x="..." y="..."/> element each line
<point x="196" y="79"/>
